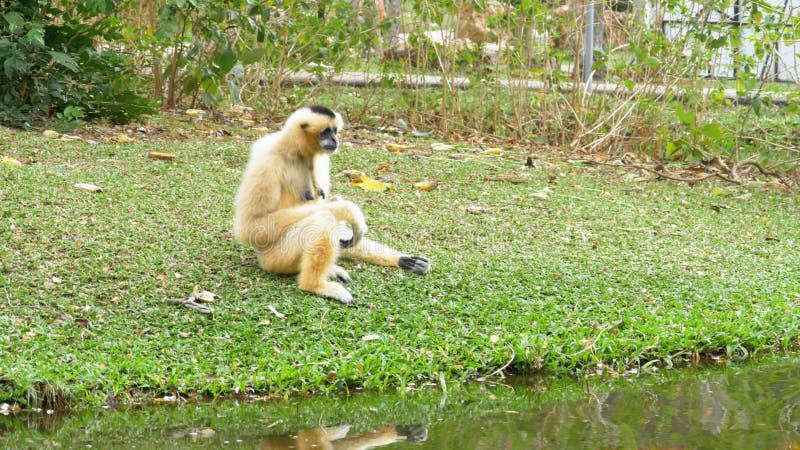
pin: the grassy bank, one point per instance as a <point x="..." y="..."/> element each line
<point x="612" y="271"/>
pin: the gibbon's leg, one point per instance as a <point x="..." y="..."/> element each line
<point x="376" y="253"/>
<point x="310" y="248"/>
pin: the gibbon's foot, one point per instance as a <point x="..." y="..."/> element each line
<point x="338" y="274"/>
<point x="416" y="264"/>
<point x="335" y="291"/>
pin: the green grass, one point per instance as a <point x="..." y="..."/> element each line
<point x="612" y="272"/>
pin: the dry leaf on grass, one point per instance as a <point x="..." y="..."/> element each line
<point x="52" y="134"/>
<point x="474" y="209"/>
<point x="541" y="196"/>
<point x="492" y="151"/>
<point x="88" y="187"/>
<point x="353" y="174"/>
<point x="123" y="138"/>
<point x="439" y="146"/>
<point x="197" y="301"/>
<point x="398" y="147"/>
<point x="358" y="178"/>
<point x="513" y="178"/>
<point x="203" y="296"/>
<point x="425" y="185"/>
<point x="9" y="161"/>
<point x="161" y="155"/>
<point x="372" y="185"/>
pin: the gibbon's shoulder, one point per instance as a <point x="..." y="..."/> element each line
<point x="264" y="146"/>
<point x="314" y="118"/>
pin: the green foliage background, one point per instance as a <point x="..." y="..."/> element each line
<point x="68" y="61"/>
<point x="54" y="69"/>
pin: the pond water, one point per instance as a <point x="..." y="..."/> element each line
<point x="749" y="407"/>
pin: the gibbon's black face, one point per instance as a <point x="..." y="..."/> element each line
<point x="328" y="141"/>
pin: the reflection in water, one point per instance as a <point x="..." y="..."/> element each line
<point x="750" y="407"/>
<point x="760" y="409"/>
<point x="336" y="438"/>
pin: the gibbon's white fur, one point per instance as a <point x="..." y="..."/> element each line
<point x="284" y="210"/>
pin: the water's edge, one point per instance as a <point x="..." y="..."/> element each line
<point x="756" y="405"/>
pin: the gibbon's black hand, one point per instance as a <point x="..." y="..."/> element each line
<point x="416" y="264"/>
<point x="347" y="243"/>
<point x="308" y="196"/>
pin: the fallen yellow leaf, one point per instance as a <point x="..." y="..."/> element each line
<point x="426" y="185"/>
<point x="10" y="161"/>
<point x="369" y="184"/>
<point x="398" y="147"/>
<point x="195" y="112"/>
<point x="492" y="151"/>
<point x="124" y="138"/>
<point x="353" y="175"/>
<point x="161" y="155"/>
<point x="52" y="134"/>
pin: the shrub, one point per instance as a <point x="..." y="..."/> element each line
<point x="59" y="64"/>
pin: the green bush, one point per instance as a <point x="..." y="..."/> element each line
<point x="54" y="70"/>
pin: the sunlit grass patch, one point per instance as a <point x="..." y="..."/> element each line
<point x="561" y="268"/>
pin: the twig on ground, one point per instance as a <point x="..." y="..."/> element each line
<point x="279" y="315"/>
<point x="191" y="304"/>
<point x="500" y="370"/>
<point x="662" y="174"/>
<point x="765" y="172"/>
<point x="650" y="230"/>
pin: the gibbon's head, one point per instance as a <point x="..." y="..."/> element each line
<point x="318" y="125"/>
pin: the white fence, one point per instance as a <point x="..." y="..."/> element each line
<point x="782" y="65"/>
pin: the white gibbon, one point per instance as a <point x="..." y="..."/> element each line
<point x="284" y="210"/>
